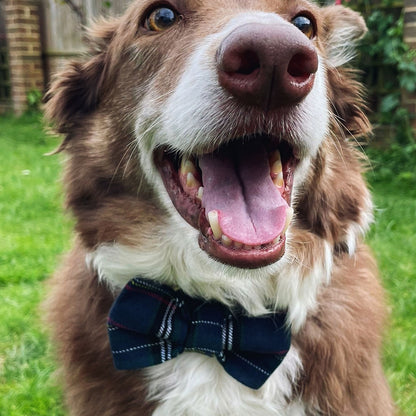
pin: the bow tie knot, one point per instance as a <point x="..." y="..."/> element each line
<point x="151" y="323"/>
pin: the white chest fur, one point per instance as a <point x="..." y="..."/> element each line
<point x="196" y="385"/>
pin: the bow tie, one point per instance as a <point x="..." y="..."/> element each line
<point x="151" y="323"/>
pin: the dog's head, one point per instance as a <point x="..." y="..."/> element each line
<point x="205" y="127"/>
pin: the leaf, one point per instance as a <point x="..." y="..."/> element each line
<point x="389" y="103"/>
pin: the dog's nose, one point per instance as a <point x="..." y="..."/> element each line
<point x="268" y="66"/>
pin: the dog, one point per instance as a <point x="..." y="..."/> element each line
<point x="211" y="161"/>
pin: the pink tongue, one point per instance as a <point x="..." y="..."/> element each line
<point x="238" y="185"/>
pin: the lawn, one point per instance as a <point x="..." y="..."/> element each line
<point x="34" y="233"/>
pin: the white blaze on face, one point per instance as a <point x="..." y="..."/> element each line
<point x="192" y="117"/>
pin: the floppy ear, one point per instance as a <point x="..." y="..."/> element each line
<point x="76" y="90"/>
<point x="342" y="29"/>
<point x="74" y="93"/>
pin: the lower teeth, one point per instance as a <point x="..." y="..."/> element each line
<point x="228" y="242"/>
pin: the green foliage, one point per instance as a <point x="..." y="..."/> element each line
<point x="395" y="165"/>
<point x="388" y="64"/>
<point x="34" y="100"/>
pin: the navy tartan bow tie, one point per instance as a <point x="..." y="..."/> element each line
<point x="151" y="323"/>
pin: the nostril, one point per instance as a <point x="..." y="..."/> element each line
<point x="249" y="63"/>
<point x="301" y="67"/>
<point x="267" y="66"/>
<point x="296" y="67"/>
<point x="238" y="61"/>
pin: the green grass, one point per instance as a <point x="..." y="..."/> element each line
<point x="33" y="234"/>
<point x="393" y="240"/>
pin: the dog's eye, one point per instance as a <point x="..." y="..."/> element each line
<point x="161" y="19"/>
<point x="305" y="25"/>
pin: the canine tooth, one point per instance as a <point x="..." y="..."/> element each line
<point x="187" y="166"/>
<point x="275" y="157"/>
<point x="226" y="241"/>
<point x="191" y="181"/>
<point x="289" y="217"/>
<point x="200" y="193"/>
<point x="278" y="180"/>
<point x="276" y="167"/>
<point x="215" y="225"/>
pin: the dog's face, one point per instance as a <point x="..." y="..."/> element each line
<point x="248" y="105"/>
<point x="221" y="118"/>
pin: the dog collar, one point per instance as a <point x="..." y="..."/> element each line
<point x="151" y="323"/>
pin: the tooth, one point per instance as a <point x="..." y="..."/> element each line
<point x="215" y="225"/>
<point x="187" y="166"/>
<point x="278" y="180"/>
<point x="277" y="240"/>
<point x="276" y="169"/>
<point x="237" y="244"/>
<point x="274" y="157"/>
<point x="191" y="181"/>
<point x="200" y="193"/>
<point x="226" y="241"/>
<point x="289" y="217"/>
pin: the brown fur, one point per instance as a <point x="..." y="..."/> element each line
<point x="92" y="105"/>
<point x="339" y="340"/>
<point x="93" y="387"/>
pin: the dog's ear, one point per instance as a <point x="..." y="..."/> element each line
<point x="346" y="97"/>
<point x="76" y="90"/>
<point x="74" y="93"/>
<point x="342" y="29"/>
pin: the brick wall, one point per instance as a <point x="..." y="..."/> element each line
<point x="409" y="100"/>
<point x="25" y="51"/>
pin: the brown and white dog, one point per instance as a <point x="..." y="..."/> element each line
<point x="194" y="133"/>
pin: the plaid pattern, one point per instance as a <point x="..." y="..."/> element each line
<point x="151" y="323"/>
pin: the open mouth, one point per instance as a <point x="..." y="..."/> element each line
<point x="237" y="196"/>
